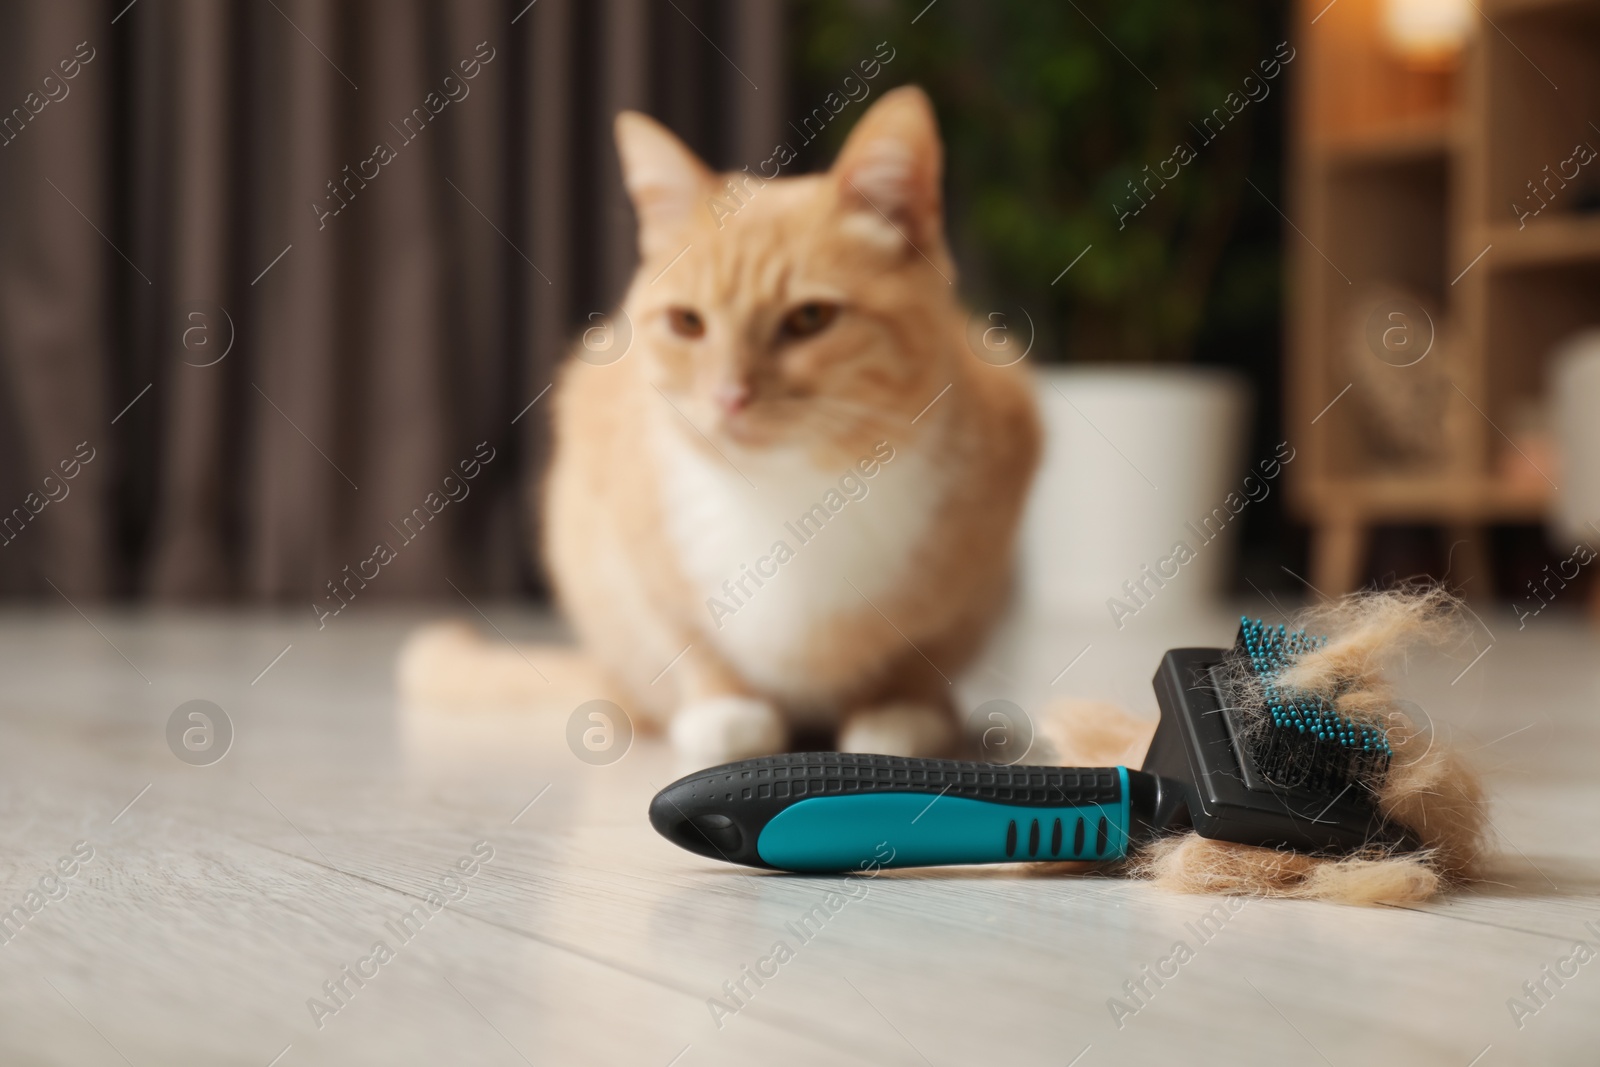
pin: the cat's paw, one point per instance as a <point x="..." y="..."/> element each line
<point x="899" y="730"/>
<point x="727" y="728"/>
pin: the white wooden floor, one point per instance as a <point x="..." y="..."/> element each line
<point x="221" y="898"/>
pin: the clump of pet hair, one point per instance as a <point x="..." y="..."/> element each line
<point x="1429" y="789"/>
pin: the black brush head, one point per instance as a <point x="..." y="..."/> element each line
<point x="1301" y="739"/>
<point x="1287" y="773"/>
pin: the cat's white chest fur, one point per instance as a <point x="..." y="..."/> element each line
<point x="766" y="580"/>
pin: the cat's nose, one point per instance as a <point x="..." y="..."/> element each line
<point x="731" y="397"/>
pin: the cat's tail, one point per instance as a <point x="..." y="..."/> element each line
<point x="450" y="665"/>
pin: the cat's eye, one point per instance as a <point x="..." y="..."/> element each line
<point x="808" y="319"/>
<point x="686" y="322"/>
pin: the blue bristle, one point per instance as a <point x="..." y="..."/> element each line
<point x="1308" y="743"/>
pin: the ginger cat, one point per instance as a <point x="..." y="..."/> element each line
<point x="793" y="500"/>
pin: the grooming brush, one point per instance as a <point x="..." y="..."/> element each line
<point x="1287" y="771"/>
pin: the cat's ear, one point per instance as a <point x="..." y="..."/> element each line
<point x="893" y="163"/>
<point x="664" y="179"/>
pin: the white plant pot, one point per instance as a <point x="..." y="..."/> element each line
<point x="1137" y="461"/>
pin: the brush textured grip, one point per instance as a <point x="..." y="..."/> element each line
<point x="803" y="774"/>
<point x="828" y="811"/>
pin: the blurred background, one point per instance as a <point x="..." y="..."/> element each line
<point x="1309" y="281"/>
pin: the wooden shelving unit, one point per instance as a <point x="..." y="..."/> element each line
<point x="1404" y="177"/>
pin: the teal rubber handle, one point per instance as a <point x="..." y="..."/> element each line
<point x="842" y="811"/>
<point x="867" y="831"/>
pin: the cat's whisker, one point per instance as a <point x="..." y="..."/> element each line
<point x="841" y="412"/>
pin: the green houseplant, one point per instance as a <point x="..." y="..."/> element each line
<point x="1056" y="117"/>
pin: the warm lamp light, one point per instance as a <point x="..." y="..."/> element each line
<point x="1427" y="33"/>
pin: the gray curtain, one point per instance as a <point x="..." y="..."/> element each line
<point x="271" y="270"/>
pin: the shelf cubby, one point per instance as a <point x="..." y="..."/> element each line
<point x="1405" y="177"/>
